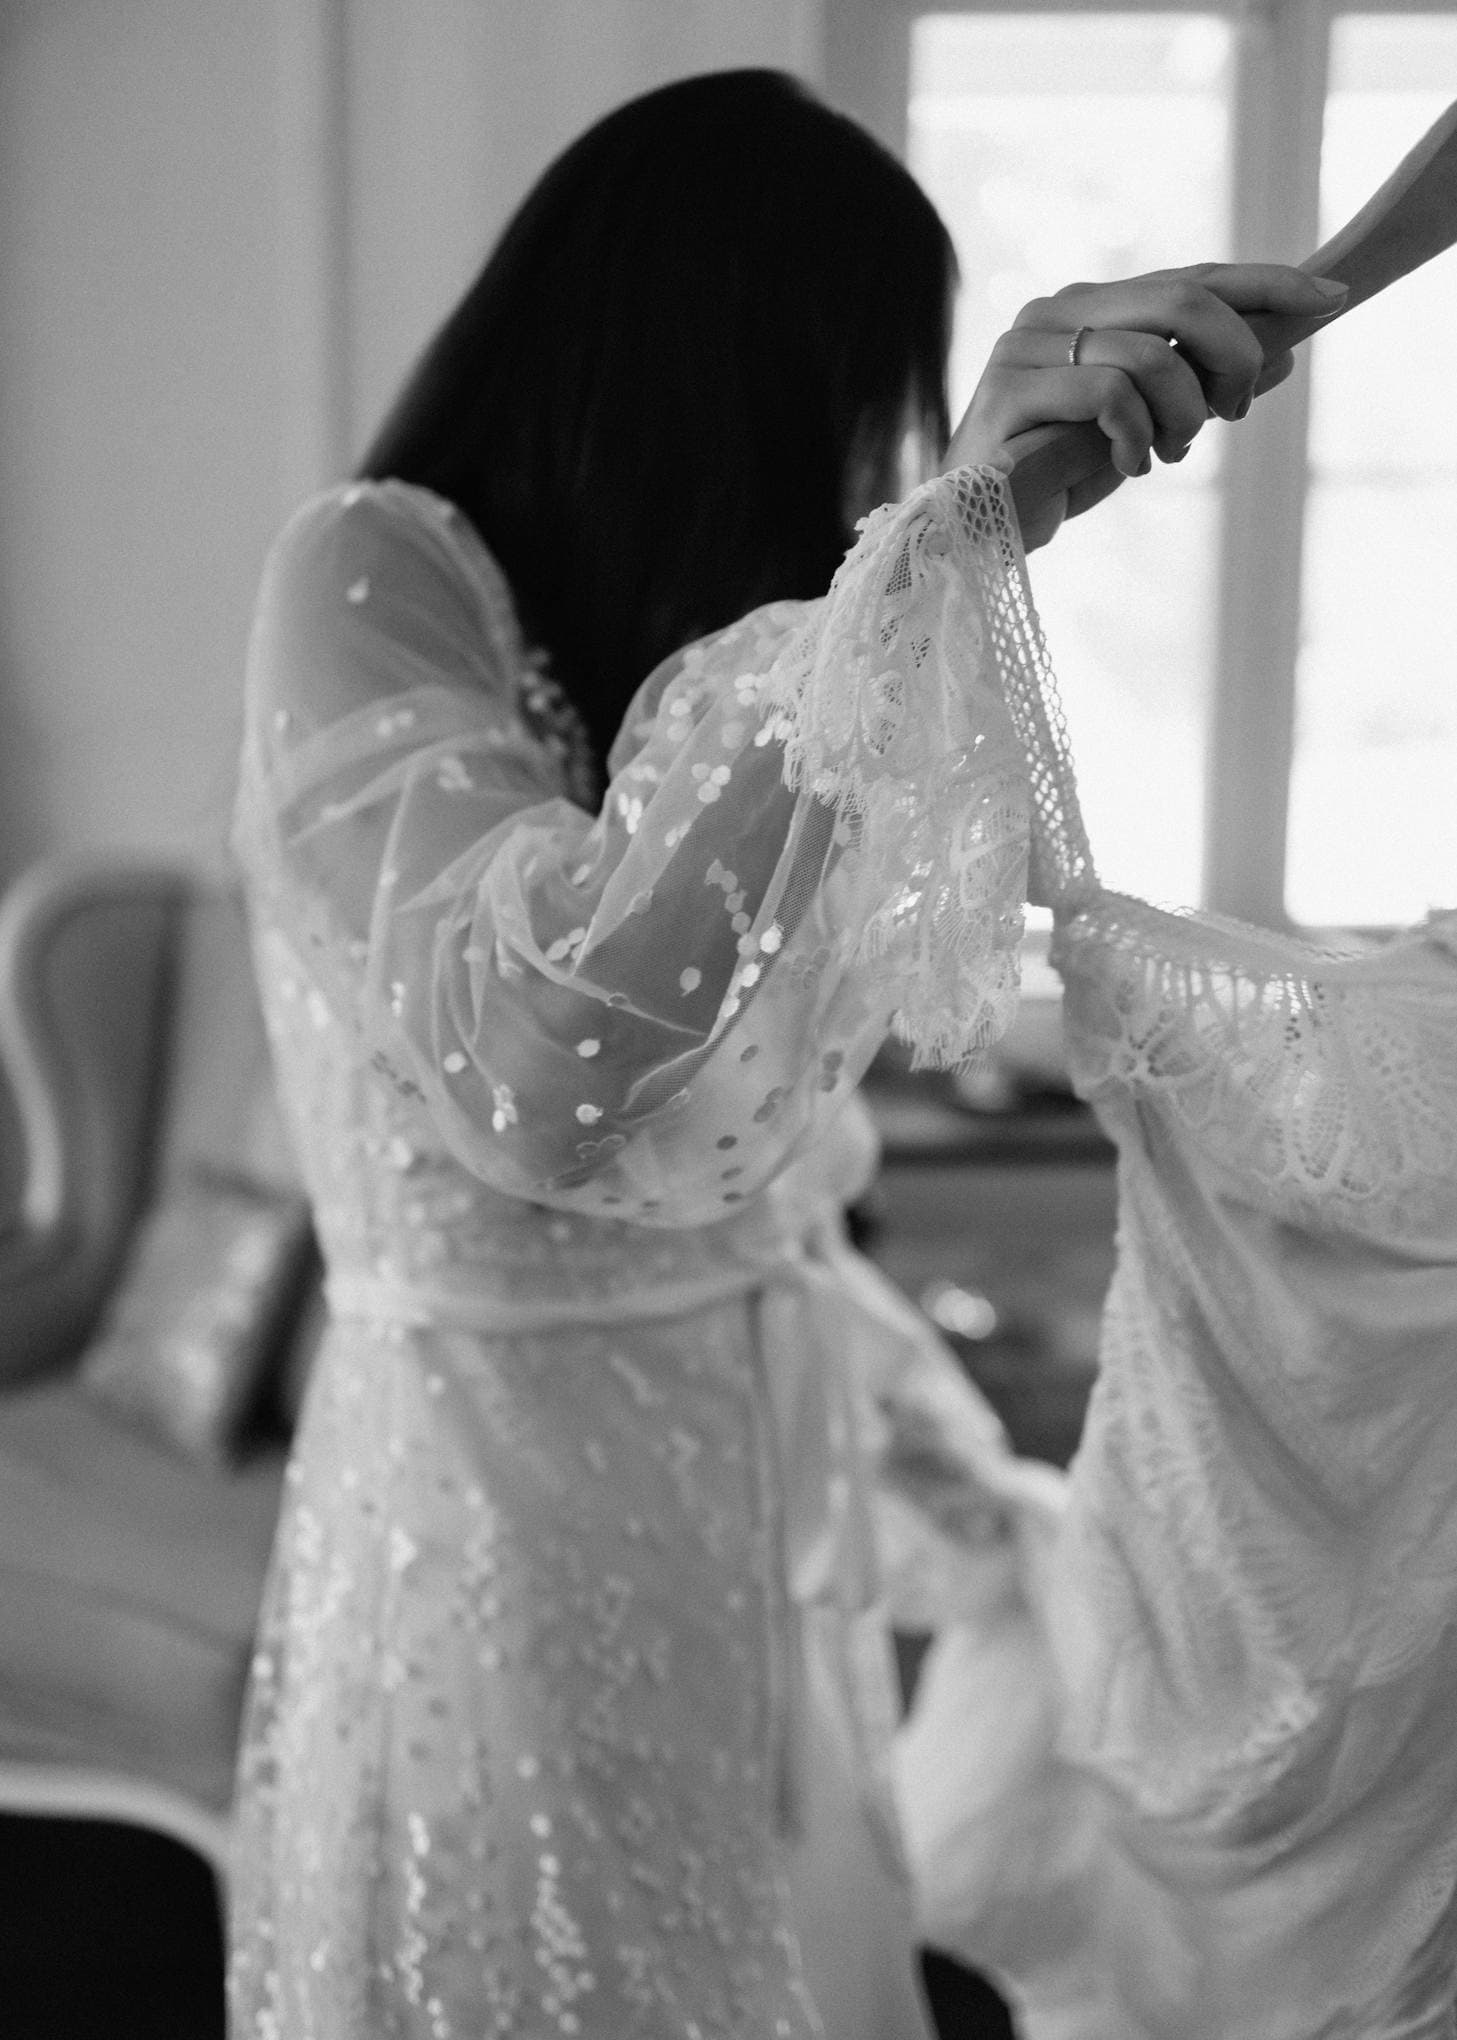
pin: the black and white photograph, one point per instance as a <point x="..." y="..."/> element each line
<point x="728" y="1020"/>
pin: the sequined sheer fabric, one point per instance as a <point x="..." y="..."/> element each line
<point x="1232" y="1809"/>
<point x="572" y="1703"/>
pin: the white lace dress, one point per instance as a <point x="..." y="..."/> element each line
<point x="571" y="1703"/>
<point x="1223" y="1799"/>
<point x="570" y="1714"/>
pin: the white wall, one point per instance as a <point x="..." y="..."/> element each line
<point x="138" y="373"/>
<point x="225" y="229"/>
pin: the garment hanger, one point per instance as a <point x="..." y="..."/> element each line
<point x="1409" y="220"/>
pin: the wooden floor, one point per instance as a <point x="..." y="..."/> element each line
<point x="109" y="1933"/>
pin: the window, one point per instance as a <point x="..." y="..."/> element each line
<point x="1256" y="646"/>
<point x="1373" y="792"/>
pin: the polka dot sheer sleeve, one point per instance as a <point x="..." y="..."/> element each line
<point x="815" y="825"/>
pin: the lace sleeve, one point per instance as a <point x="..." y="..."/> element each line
<point x="1321" y="1083"/>
<point x="650" y="1009"/>
<point x="1253" y="1608"/>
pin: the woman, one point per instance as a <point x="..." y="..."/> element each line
<point x="570" y="1711"/>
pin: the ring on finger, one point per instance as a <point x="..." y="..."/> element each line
<point x="1075" y="343"/>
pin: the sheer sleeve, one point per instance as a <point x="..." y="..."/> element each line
<point x="647" y="1009"/>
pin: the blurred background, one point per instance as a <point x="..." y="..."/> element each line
<point x="226" y="230"/>
<point x="1256" y="649"/>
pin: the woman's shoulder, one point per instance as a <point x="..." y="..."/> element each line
<point x="391" y="548"/>
<point x="374" y="515"/>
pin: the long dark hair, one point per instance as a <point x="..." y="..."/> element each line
<point x="708" y="313"/>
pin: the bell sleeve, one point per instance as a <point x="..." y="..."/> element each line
<point x="815" y="825"/>
<point x="1256" y="1621"/>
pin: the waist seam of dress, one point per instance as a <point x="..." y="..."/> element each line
<point x="356" y="1295"/>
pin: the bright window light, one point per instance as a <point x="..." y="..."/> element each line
<point x="1034" y="135"/>
<point x="1373" y="791"/>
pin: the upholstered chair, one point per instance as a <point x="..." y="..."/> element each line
<point x="157" y="1310"/>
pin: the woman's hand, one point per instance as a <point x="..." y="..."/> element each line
<point x="1147" y="396"/>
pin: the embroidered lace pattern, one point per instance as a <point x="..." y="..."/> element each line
<point x="931" y="778"/>
<point x="1254" y="1609"/>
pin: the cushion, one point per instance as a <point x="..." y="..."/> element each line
<point x="204" y="1304"/>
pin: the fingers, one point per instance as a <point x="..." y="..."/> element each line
<point x="1199" y="309"/>
<point x="1275" y="371"/>
<point x="1212" y="337"/>
<point x="1157" y="356"/>
<point x="1145" y="398"/>
<point x="1269" y="287"/>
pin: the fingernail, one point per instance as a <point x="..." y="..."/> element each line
<point x="1242" y="409"/>
<point x="1328" y="287"/>
<point x="1144" y="465"/>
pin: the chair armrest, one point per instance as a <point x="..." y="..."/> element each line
<point x="46" y="1296"/>
<point x="86" y="959"/>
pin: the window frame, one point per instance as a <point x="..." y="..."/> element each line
<point x="1278" y="95"/>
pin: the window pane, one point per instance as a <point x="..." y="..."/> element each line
<point x="1373" y="820"/>
<point x="1060" y="147"/>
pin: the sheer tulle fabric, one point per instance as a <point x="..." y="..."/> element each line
<point x="572" y="1096"/>
<point x="589" y="1004"/>
<point x="572" y="1703"/>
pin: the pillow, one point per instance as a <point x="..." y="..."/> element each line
<point x="206" y="1296"/>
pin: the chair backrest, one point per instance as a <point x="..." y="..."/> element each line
<point x="132" y="1045"/>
